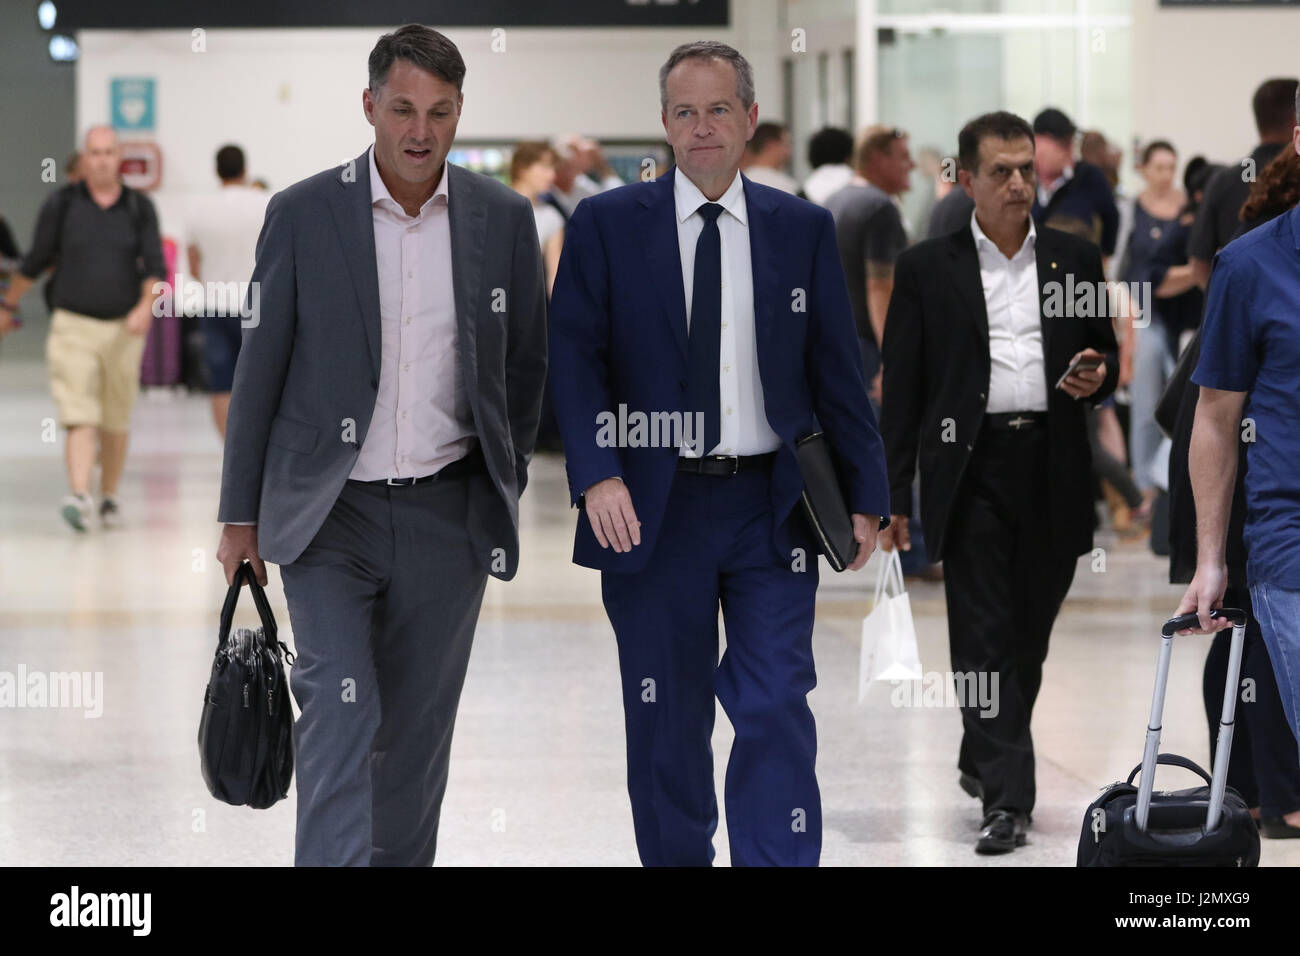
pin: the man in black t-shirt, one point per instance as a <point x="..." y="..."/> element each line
<point x="1217" y="220"/>
<point x="103" y="240"/>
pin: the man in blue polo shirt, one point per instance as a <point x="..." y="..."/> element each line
<point x="1248" y="371"/>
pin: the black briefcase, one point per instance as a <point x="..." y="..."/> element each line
<point x="1201" y="826"/>
<point x="823" y="501"/>
<point x="246" y="730"/>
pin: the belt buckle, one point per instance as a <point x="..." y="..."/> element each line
<point x="399" y="481"/>
<point x="1017" y="423"/>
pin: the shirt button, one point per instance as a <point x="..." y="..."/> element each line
<point x="408" y="320"/>
<point x="728" y="410"/>
<point x="724" y="325"/>
<point x="403" y="414"/>
<point x="406" y="367"/>
<point x="726" y="368"/>
<point x="410" y="274"/>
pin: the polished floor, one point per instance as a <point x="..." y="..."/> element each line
<point x="537" y="765"/>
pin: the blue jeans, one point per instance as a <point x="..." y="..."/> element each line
<point x="1277" y="611"/>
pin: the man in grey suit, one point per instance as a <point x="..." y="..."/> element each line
<point x="382" y="417"/>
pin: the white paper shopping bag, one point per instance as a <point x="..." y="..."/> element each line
<point x="889" y="651"/>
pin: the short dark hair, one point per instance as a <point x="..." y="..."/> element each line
<point x="1276" y="104"/>
<point x="230" y="162"/>
<point x="828" y="145"/>
<point x="423" y="46"/>
<point x="710" y="50"/>
<point x="998" y="125"/>
<point x="1154" y="147"/>
<point x="1052" y="122"/>
<point x="769" y="131"/>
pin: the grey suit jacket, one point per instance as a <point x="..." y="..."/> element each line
<point x="308" y="369"/>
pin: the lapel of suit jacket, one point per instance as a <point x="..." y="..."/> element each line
<point x="967" y="280"/>
<point x="764" y="231"/>
<point x="1050" y="270"/>
<point x="467" y="218"/>
<point x="353" y="218"/>
<point x="658" y="227"/>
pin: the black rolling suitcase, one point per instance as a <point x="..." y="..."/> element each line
<point x="1204" y="826"/>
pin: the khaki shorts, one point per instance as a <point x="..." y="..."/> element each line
<point x="94" y="369"/>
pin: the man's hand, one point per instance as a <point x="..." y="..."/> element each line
<point x="8" y="323"/>
<point x="876" y="392"/>
<point x="138" y="320"/>
<point x="896" y="535"/>
<point x="609" y="509"/>
<point x="1082" y="383"/>
<point x="239" y="541"/>
<point x="864" y="532"/>
<point x="1203" y="595"/>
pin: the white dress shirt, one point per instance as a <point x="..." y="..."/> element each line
<point x="745" y="430"/>
<point x="421" y="419"/>
<point x="1047" y="190"/>
<point x="1017" y="379"/>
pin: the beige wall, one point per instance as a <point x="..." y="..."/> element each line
<point x="1194" y="72"/>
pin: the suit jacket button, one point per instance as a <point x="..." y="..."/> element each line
<point x="682" y="383"/>
<point x="373" y="383"/>
<point x="969" y="446"/>
<point x="981" y="396"/>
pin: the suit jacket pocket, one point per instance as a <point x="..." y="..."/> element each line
<point x="293" y="434"/>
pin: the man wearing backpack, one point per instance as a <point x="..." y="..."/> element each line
<point x="109" y="255"/>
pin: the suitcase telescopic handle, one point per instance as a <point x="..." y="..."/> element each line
<point x="1150" y="755"/>
<point x="1185" y="621"/>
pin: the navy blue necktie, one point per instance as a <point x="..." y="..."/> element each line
<point x="704" y="350"/>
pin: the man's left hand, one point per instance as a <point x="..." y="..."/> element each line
<point x="1083" y="383"/>
<point x="139" y="319"/>
<point x="865" y="528"/>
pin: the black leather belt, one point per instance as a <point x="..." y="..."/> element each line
<point x="1015" y="421"/>
<point x="724" y="466"/>
<point x="471" y="464"/>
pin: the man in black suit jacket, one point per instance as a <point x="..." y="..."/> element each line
<point x="982" y="325"/>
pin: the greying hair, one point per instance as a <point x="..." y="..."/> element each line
<point x="710" y="50"/>
<point x="423" y="46"/>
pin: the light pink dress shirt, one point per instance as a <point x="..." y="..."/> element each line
<point x="422" y="419"/>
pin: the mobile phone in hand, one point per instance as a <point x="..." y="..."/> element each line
<point x="1084" y="363"/>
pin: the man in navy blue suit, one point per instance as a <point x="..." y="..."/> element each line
<point x="700" y="326"/>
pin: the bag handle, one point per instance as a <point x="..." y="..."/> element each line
<point x="242" y="573"/>
<point x="891" y="569"/>
<point x="1174" y="760"/>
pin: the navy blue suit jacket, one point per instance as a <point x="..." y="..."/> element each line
<point x="619" y="336"/>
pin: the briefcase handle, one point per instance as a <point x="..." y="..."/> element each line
<point x="245" y="572"/>
<point x="1174" y="760"/>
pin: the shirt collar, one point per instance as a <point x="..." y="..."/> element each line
<point x="984" y="242"/>
<point x="379" y="192"/>
<point x="1047" y="190"/>
<point x="688" y="198"/>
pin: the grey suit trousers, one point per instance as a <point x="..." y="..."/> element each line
<point x="383" y="603"/>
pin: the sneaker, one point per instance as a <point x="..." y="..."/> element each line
<point x="109" y="513"/>
<point x="77" y="510"/>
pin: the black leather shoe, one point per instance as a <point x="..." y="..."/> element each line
<point x="1002" y="832"/>
<point x="972" y="786"/>
<point x="1278" y="829"/>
